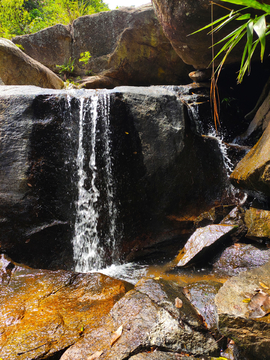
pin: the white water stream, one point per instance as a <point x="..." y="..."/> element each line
<point x="88" y="247"/>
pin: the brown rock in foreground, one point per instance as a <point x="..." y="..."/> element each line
<point x="146" y="318"/>
<point x="43" y="312"/>
<point x="241" y="318"/>
<point x="17" y="68"/>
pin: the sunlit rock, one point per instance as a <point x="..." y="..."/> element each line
<point x="127" y="47"/>
<point x="253" y="171"/>
<point x="202" y="243"/>
<point x="43" y="312"/>
<point x="258" y="224"/>
<point x="17" y="68"/>
<point x="236" y="318"/>
<point x="149" y="318"/>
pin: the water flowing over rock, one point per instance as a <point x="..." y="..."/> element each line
<point x="149" y="318"/>
<point x="17" y="68"/>
<point x="54" y="163"/>
<point x="44" y="312"/>
<point x="127" y="47"/>
<point x="243" y="315"/>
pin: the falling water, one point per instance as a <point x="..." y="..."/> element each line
<point x="90" y="245"/>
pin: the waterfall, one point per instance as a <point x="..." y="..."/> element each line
<point x="93" y="247"/>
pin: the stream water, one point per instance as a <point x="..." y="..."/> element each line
<point x="95" y="197"/>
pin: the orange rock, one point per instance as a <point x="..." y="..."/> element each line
<point x="43" y="311"/>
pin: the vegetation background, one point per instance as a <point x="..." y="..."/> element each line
<point x="19" y="17"/>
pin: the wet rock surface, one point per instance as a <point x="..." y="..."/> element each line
<point x="243" y="311"/>
<point x="201" y="295"/>
<point x="43" y="312"/>
<point x="17" y="68"/>
<point x="240" y="257"/>
<point x="203" y="241"/>
<point x="147" y="317"/>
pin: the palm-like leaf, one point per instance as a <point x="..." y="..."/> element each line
<point x="252" y="25"/>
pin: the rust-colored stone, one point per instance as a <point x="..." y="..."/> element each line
<point x="43" y="312"/>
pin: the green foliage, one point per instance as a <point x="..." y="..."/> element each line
<point x="67" y="68"/>
<point x="85" y="57"/>
<point x="254" y="28"/>
<point x="18" y="17"/>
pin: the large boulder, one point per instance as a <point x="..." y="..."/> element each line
<point x="162" y="173"/>
<point x="44" y="312"/>
<point x="127" y="47"/>
<point x="181" y="18"/>
<point x="17" y="68"/>
<point x="253" y="171"/>
<point x="155" y="315"/>
<point x="243" y="312"/>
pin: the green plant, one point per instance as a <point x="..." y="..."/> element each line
<point x="249" y="26"/>
<point x="85" y="57"/>
<point x="67" y="68"/>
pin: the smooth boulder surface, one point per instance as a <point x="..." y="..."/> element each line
<point x="243" y="312"/>
<point x="127" y="47"/>
<point x="253" y="171"/>
<point x="44" y="312"/>
<point x="147" y="317"/>
<point x="152" y="145"/>
<point x="203" y="241"/>
<point x="17" y="68"/>
<point x="180" y="19"/>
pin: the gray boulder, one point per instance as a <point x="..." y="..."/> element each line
<point x="127" y="47"/>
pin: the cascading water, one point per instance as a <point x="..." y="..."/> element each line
<point x="96" y="197"/>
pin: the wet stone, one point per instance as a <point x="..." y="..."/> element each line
<point x="44" y="312"/>
<point x="240" y="257"/>
<point x="202" y="242"/>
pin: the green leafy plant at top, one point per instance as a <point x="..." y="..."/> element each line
<point x="85" y="57"/>
<point x="254" y="28"/>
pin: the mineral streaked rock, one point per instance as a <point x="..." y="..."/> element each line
<point x="43" y="312"/>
